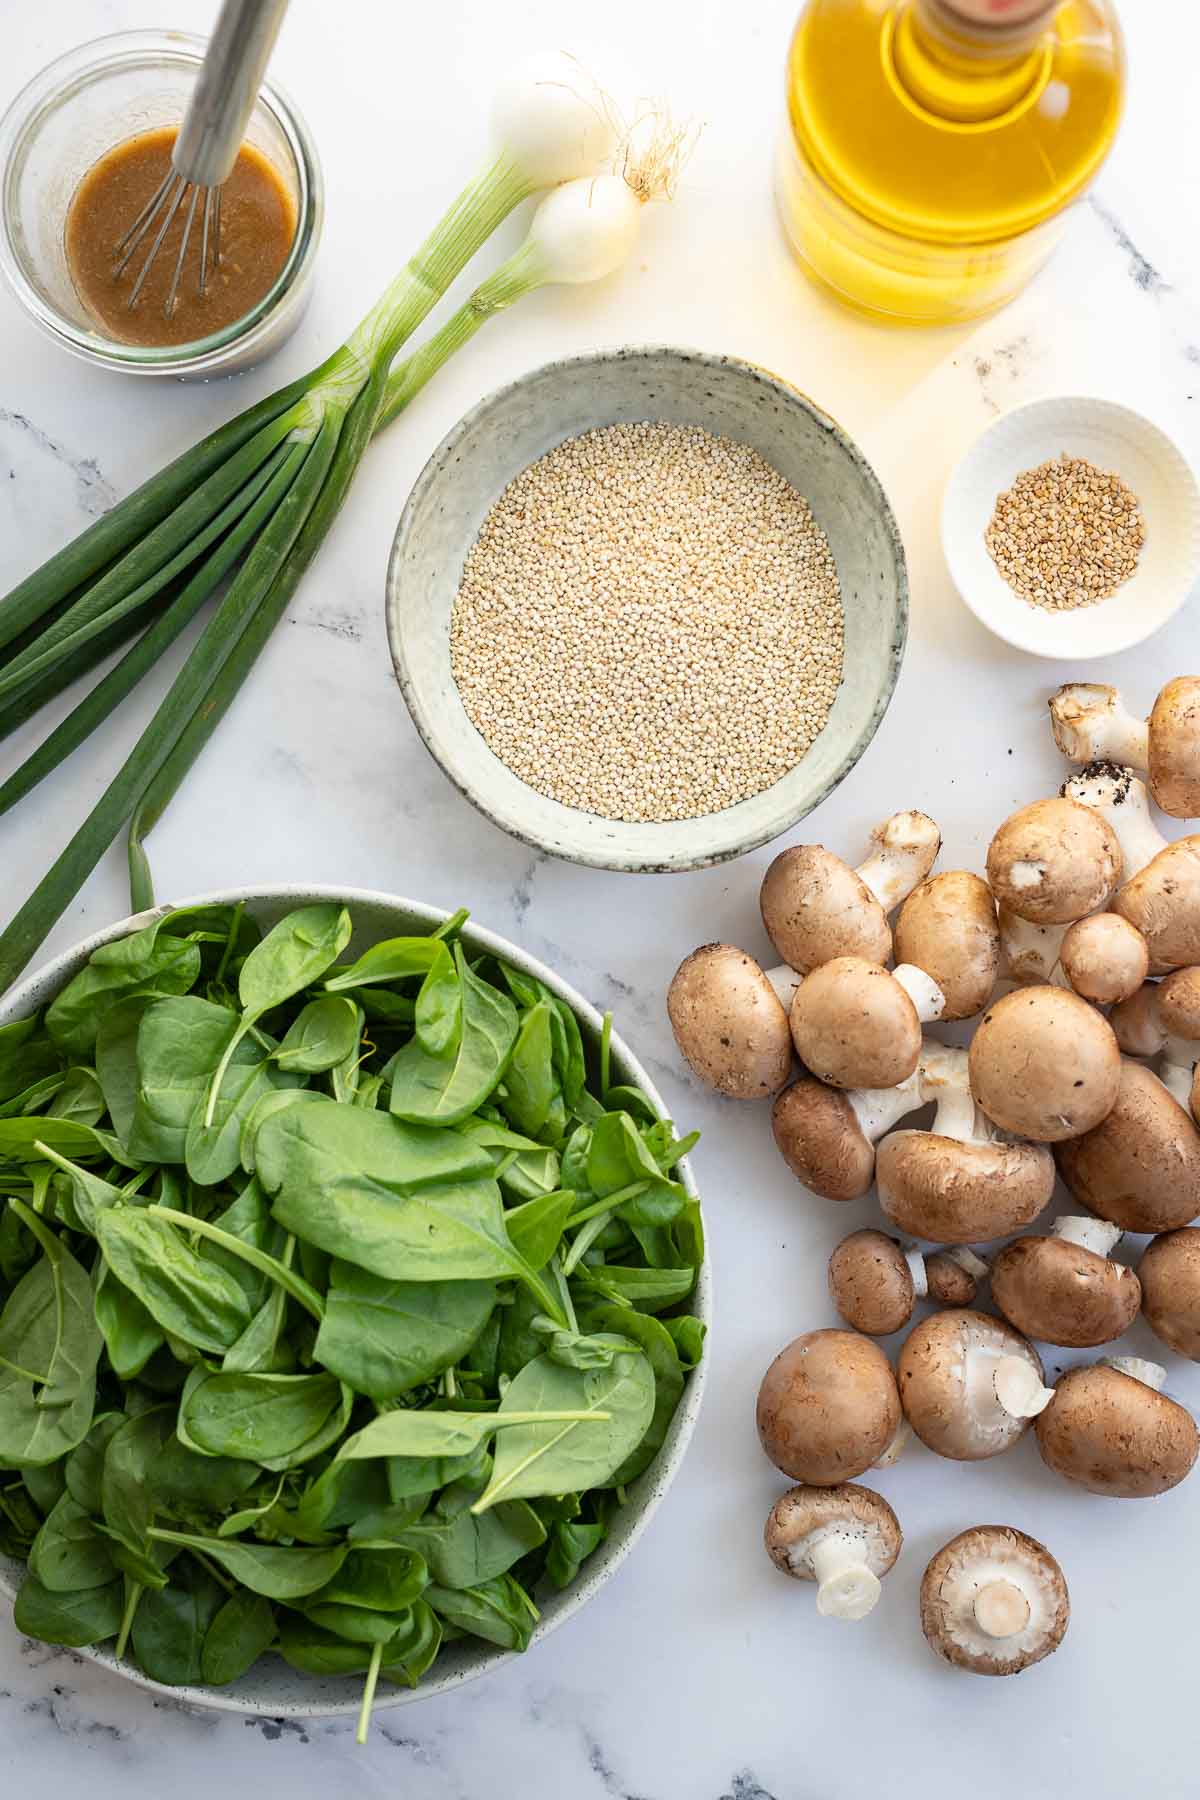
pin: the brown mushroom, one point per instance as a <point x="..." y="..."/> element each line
<point x="1170" y="1278"/>
<point x="1091" y="723"/>
<point x="1064" y="1289"/>
<point x="855" y="1025"/>
<point x="875" y="1282"/>
<point x="1028" y="952"/>
<point x="948" y="927"/>
<point x="1104" y="958"/>
<point x="729" y="1023"/>
<point x="1109" y="1429"/>
<point x="1161" y="886"/>
<point x="828" y="1407"/>
<point x="954" y="1184"/>
<point x="815" y="907"/>
<point x="1140" y="1167"/>
<point x="827" y="1136"/>
<point x="951" y="1375"/>
<point x="844" y="1538"/>
<point x="1053" y="862"/>
<point x="1045" y="1064"/>
<point x="994" y="1601"/>
<point x="1162" y="1019"/>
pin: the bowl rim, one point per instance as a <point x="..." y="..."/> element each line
<point x="1098" y="406"/>
<point x="505" y="817"/>
<point x="32" y="991"/>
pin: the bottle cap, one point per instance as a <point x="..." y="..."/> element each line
<point x="1000" y="12"/>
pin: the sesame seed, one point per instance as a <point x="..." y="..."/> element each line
<point x="1066" y="534"/>
<point x="649" y="624"/>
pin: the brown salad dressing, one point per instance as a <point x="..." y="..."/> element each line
<point x="258" y="223"/>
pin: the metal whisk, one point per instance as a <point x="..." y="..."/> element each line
<point x="208" y="143"/>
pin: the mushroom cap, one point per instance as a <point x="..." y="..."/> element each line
<point x="1054" y="861"/>
<point x="854" y="1026"/>
<point x="815" y="907"/>
<point x="828" y="1407"/>
<point x="729" y="1023"/>
<point x="871" y="1283"/>
<point x="1104" y="958"/>
<point x="1170" y="1276"/>
<point x="1175" y="748"/>
<point x="1140" y="1167"/>
<point x="950" y="1284"/>
<point x="821" y="1141"/>
<point x="1115" y="1435"/>
<point x="1044" y="1064"/>
<point x="946" y="1374"/>
<point x="948" y="927"/>
<point x="948" y="1192"/>
<point x="981" y="1559"/>
<point x="803" y="1516"/>
<point x="1179" y="1003"/>
<point x="1163" y="901"/>
<point x="1052" y="1289"/>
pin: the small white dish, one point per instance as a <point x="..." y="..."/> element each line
<point x="1114" y="438"/>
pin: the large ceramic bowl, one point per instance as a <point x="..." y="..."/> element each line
<point x="510" y="429"/>
<point x="272" y="1688"/>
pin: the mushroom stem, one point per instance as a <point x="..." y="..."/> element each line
<point x="965" y="1257"/>
<point x="895" y="1448"/>
<point x="906" y="847"/>
<point x="944" y="1079"/>
<point x="1151" y="1374"/>
<point x="1028" y="952"/>
<point x="915" y="1258"/>
<point x="924" y="992"/>
<point x="1001" y="1609"/>
<point x="846" y="1588"/>
<point x="878" y="1109"/>
<point x="1096" y="1235"/>
<point x="1091" y="723"/>
<point x="1017" y="1388"/>
<point x="1123" y="801"/>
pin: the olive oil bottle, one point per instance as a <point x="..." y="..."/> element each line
<point x="932" y="146"/>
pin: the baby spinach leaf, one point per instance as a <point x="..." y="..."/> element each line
<point x="241" y="1631"/>
<point x="20" y="1138"/>
<point x="377" y="1580"/>
<point x="523" y="1168"/>
<point x="171" y="1624"/>
<point x="569" y="1456"/>
<point x="68" y="1553"/>
<point x="427" y="1431"/>
<point x="212" y="1146"/>
<point x="530" y="1084"/>
<point x="273" y="1100"/>
<point x="46" y="1483"/>
<point x="295" y="953"/>
<point x="78" y="1097"/>
<point x="179" y="1043"/>
<point x="184" y="1294"/>
<point x="33" y="1098"/>
<point x="257" y="1417"/>
<point x="411" y="1649"/>
<point x="322" y="1034"/>
<point x="86" y="1616"/>
<point x="396" y="959"/>
<point x="659" y="1348"/>
<point x="47" y="1329"/>
<point x="84" y="1467"/>
<point x="126" y="1491"/>
<point x="649" y="1290"/>
<point x="271" y="1569"/>
<point x="535" y="1229"/>
<point x="499" y="1611"/>
<point x="131" y="1336"/>
<point x="89" y="1194"/>
<point x="442" y="1090"/>
<point x="468" y="1548"/>
<point x="385" y="1337"/>
<point x="142" y="962"/>
<point x="27" y="1056"/>
<point x="687" y="1334"/>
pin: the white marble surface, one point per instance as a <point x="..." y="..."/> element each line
<point x="699" y="1672"/>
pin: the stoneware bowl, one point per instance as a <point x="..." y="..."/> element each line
<point x="272" y="1688"/>
<point x="510" y="429"/>
<point x="1114" y="438"/>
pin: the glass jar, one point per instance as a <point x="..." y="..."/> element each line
<point x="67" y="117"/>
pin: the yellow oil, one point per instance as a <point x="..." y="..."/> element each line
<point x="927" y="161"/>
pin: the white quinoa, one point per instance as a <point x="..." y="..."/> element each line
<point x="649" y="625"/>
<point x="1066" y="534"/>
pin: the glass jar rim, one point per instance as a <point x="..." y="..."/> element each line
<point x="72" y="72"/>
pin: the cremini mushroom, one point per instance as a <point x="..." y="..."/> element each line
<point x="844" y="1538"/>
<point x="1064" y="1289"/>
<point x="1053" y="862"/>
<point x="1028" y="952"/>
<point x="1140" y="1167"/>
<point x="855" y="1025"/>
<point x="1160" y="891"/>
<point x="1091" y="723"/>
<point x="955" y="1183"/>
<point x="828" y="1407"/>
<point x="1162" y="1020"/>
<point x="729" y="1023"/>
<point x="994" y="1601"/>
<point x="827" y="1136"/>
<point x="948" y="927"/>
<point x="1104" y="958"/>
<point x="874" y="1281"/>
<point x="953" y="1370"/>
<point x="1045" y="1064"/>
<point x="816" y="907"/>
<point x="1170" y="1276"/>
<point x="1109" y="1429"/>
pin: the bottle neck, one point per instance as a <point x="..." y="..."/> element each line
<point x="970" y="60"/>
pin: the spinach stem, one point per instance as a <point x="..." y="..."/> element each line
<point x="608" y="1203"/>
<point x="270" y="1266"/>
<point x="368" y="1699"/>
<point x="583" y="1241"/>
<point x="565" y="1292"/>
<point x="24" y="1374"/>
<point x="133" y="1593"/>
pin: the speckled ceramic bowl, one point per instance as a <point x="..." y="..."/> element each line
<point x="510" y="429"/>
<point x="272" y="1688"/>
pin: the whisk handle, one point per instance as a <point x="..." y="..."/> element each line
<point x="236" y="60"/>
